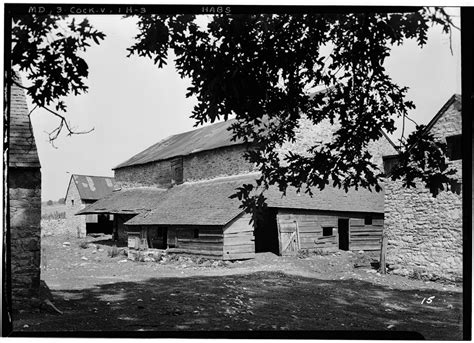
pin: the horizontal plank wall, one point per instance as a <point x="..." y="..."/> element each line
<point x="365" y="237"/>
<point x="197" y="240"/>
<point x="239" y="240"/>
<point x="303" y="230"/>
<point x="307" y="227"/>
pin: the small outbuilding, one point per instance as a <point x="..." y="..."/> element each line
<point x="200" y="218"/>
<point x="82" y="191"/>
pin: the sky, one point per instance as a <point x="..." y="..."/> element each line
<point x="131" y="104"/>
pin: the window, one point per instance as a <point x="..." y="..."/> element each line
<point x="368" y="220"/>
<point x="389" y="162"/>
<point x="454" y="147"/>
<point x="72" y="202"/>
<point x="196" y="233"/>
<point x="327" y="231"/>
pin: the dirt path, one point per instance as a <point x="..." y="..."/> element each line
<point x="97" y="292"/>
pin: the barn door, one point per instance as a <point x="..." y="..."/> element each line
<point x="289" y="240"/>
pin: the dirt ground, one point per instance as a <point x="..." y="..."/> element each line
<point x="96" y="292"/>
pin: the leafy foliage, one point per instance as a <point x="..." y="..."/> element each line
<point x="264" y="69"/>
<point x="425" y="159"/>
<point x="48" y="48"/>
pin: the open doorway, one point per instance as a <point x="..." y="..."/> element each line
<point x="343" y="230"/>
<point x="266" y="232"/>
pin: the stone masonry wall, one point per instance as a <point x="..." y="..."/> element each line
<point x="74" y="225"/>
<point x="308" y="134"/>
<point x="198" y="166"/>
<point x="219" y="162"/>
<point x="425" y="233"/>
<point x="154" y="174"/>
<point x="25" y="218"/>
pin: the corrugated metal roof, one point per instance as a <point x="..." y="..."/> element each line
<point x="22" y="148"/>
<point x="93" y="187"/>
<point x="205" y="138"/>
<point x="131" y="201"/>
<point x="208" y="203"/>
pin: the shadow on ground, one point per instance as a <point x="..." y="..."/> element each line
<point x="256" y="301"/>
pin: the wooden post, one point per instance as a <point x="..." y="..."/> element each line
<point x="298" y="235"/>
<point x="383" y="251"/>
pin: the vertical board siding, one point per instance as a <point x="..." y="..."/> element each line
<point x="239" y="239"/>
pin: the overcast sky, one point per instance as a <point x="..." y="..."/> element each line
<point x="131" y="104"/>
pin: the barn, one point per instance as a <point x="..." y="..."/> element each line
<point x="83" y="190"/>
<point x="194" y="173"/>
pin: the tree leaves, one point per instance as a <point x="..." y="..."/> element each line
<point x="259" y="68"/>
<point x="46" y="48"/>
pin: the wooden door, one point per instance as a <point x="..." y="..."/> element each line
<point x="289" y="241"/>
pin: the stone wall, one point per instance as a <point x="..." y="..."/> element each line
<point x="25" y="234"/>
<point x="198" y="166"/>
<point x="219" y="162"/>
<point x="308" y="134"/>
<point x="449" y="124"/>
<point x="424" y="232"/>
<point x="75" y="225"/>
<point x="154" y="174"/>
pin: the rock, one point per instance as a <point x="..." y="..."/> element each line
<point x="66" y="244"/>
<point x="361" y="251"/>
<point x="100" y="249"/>
<point x="26" y="326"/>
<point x="84" y="258"/>
<point x="122" y="261"/>
<point x="139" y="299"/>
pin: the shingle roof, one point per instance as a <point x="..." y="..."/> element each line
<point x="208" y="203"/>
<point x="22" y="148"/>
<point x="205" y="138"/>
<point x="93" y="187"/>
<point x="131" y="201"/>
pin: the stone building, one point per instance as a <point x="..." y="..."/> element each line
<point x="24" y="204"/>
<point x="425" y="232"/>
<point x="178" y="192"/>
<point x="83" y="190"/>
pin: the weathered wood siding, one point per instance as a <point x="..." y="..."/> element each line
<point x="302" y="230"/>
<point x="239" y="240"/>
<point x="120" y="228"/>
<point x="209" y="240"/>
<point x="365" y="237"/>
<point x="305" y="229"/>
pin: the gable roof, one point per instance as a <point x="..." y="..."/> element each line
<point x="455" y="98"/>
<point x="92" y="187"/>
<point x="205" y="138"/>
<point x="208" y="202"/>
<point x="127" y="201"/>
<point x="22" y="150"/>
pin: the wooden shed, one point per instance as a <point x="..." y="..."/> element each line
<point x="200" y="218"/>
